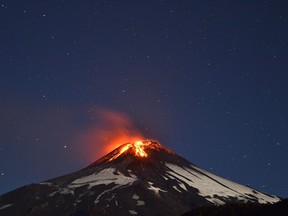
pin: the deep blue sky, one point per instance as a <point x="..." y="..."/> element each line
<point x="208" y="79"/>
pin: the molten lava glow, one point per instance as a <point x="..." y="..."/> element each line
<point x="117" y="128"/>
<point x="137" y="147"/>
<point x="139" y="151"/>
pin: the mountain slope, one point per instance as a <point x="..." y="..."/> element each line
<point x="143" y="178"/>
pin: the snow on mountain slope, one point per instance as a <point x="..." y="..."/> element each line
<point x="215" y="188"/>
<point x="144" y="178"/>
<point x="105" y="176"/>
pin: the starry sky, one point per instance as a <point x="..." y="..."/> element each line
<point x="208" y="79"/>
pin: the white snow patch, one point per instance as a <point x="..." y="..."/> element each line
<point x="132" y="175"/>
<point x="133" y="212"/>
<point x="217" y="201"/>
<point x="62" y="191"/>
<point x="155" y="189"/>
<point x="109" y="199"/>
<point x="135" y="196"/>
<point x="105" y="176"/>
<point x="52" y="194"/>
<point x="140" y="203"/>
<point x="165" y="178"/>
<point x="177" y="189"/>
<point x="245" y="191"/>
<point x="77" y="201"/>
<point x="5" y="206"/>
<point x="66" y="191"/>
<point x="46" y="183"/>
<point x="179" y="182"/>
<point x="209" y="185"/>
<point x="106" y="191"/>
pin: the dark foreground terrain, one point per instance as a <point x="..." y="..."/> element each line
<point x="277" y="209"/>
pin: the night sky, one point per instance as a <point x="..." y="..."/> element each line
<point x="208" y="79"/>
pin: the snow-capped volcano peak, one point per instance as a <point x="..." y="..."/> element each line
<point x="143" y="178"/>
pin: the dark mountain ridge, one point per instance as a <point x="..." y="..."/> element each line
<point x="143" y="178"/>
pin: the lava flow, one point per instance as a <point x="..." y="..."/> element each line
<point x="137" y="148"/>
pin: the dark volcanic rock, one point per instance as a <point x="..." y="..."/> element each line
<point x="249" y="209"/>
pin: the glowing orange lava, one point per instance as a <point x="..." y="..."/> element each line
<point x="139" y="151"/>
<point x="137" y="147"/>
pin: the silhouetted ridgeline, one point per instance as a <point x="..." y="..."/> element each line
<point x="277" y="209"/>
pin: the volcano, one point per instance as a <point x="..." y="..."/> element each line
<point x="141" y="178"/>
